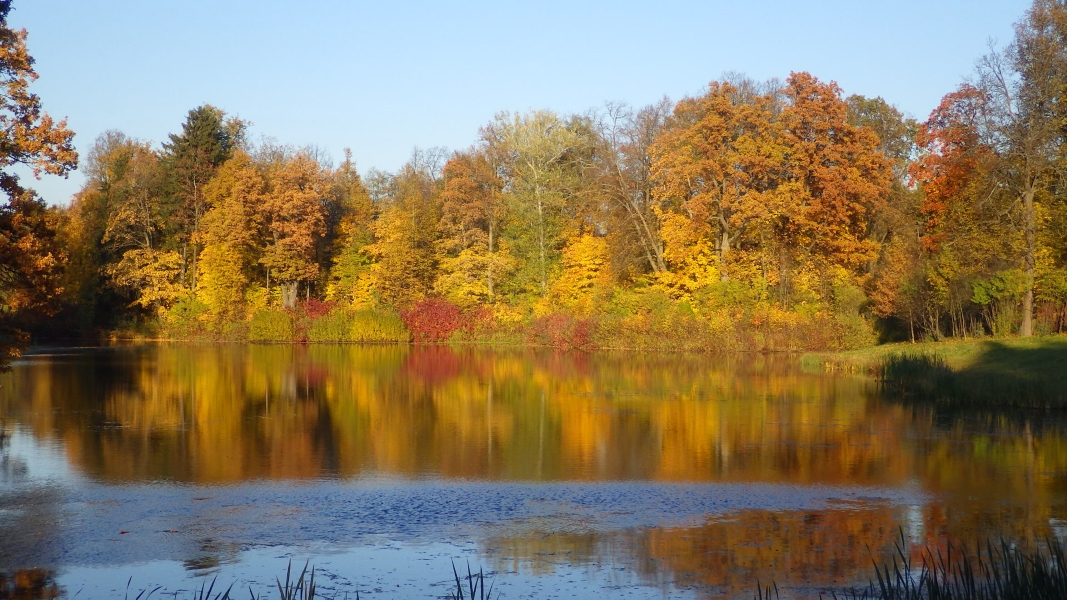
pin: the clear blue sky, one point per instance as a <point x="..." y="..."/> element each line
<point x="385" y="77"/>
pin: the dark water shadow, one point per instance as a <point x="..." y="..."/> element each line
<point x="1004" y="378"/>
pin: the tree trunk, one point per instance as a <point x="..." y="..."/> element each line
<point x="724" y="249"/>
<point x="289" y="291"/>
<point x="185" y="261"/>
<point x="541" y="244"/>
<point x="489" y="271"/>
<point x="1026" y="329"/>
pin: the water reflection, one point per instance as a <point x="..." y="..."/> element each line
<point x="211" y="415"/>
<point x="726" y="553"/>
<point x="29" y="584"/>
<point x="233" y="413"/>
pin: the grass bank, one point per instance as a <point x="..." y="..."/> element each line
<point x="992" y="373"/>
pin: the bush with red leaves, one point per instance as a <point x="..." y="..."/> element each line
<point x="432" y="320"/>
<point x="562" y="331"/>
<point x="315" y="308"/>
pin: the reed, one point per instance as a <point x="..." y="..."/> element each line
<point x="297" y="589"/>
<point x="999" y="572"/>
<point x="998" y="383"/>
<point x="925" y="376"/>
<point x="204" y="593"/>
<point x="476" y="589"/>
<point x="473" y="586"/>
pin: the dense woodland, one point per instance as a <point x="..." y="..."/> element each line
<point x="758" y="215"/>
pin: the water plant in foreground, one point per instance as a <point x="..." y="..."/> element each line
<point x="1001" y="572"/>
<point x="475" y="586"/>
<point x="302" y="587"/>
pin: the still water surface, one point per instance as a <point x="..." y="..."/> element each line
<point x="562" y="474"/>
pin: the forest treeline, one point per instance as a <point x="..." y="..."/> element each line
<point x="757" y="215"/>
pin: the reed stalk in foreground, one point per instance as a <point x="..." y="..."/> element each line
<point x="1001" y="572"/>
<point x="303" y="587"/>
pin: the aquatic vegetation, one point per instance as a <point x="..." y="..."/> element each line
<point x="1000" y="376"/>
<point x="302" y="587"/>
<point x="298" y="589"/>
<point x="476" y="589"/>
<point x="918" y="376"/>
<point x="1001" y="571"/>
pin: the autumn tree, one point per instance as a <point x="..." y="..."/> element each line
<point x="135" y="224"/>
<point x="896" y="276"/>
<point x="29" y="257"/>
<point x="232" y="230"/>
<point x="533" y="151"/>
<point x="1027" y="89"/>
<point x="720" y="165"/>
<point x="87" y="219"/>
<point x="623" y="177"/>
<point x="406" y="232"/>
<point x="354" y="231"/>
<point x="134" y="185"/>
<point x="585" y="280"/>
<point x="837" y="177"/>
<point x="472" y="217"/>
<point x="191" y="159"/>
<point x="294" y="221"/>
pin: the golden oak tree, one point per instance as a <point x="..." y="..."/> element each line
<point x="836" y="176"/>
<point x="719" y="164"/>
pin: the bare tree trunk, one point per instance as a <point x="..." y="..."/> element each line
<point x="185" y="261"/>
<point x="1026" y="329"/>
<point x="489" y="270"/>
<point x="541" y="244"/>
<point x="289" y="292"/>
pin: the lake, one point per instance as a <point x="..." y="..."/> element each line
<point x="559" y="474"/>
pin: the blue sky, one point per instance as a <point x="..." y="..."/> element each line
<point x="383" y="78"/>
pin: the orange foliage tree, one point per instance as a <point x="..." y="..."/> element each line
<point x="836" y="176"/>
<point x="29" y="257"/>
<point x="295" y="221"/>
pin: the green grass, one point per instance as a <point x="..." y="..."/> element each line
<point x="1026" y="373"/>
<point x="958" y="354"/>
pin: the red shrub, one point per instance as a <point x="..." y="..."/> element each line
<point x="314" y="308"/>
<point x="432" y="320"/>
<point x="562" y="331"/>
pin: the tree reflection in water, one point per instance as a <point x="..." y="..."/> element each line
<point x="209" y="415"/>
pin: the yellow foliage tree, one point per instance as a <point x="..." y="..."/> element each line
<point x="692" y="262"/>
<point x="153" y="274"/>
<point x="229" y="234"/>
<point x="586" y="276"/>
<point x="406" y="236"/>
